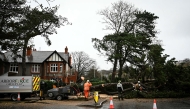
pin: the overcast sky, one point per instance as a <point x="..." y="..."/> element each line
<point x="173" y="25"/>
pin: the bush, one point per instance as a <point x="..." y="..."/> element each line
<point x="49" y="85"/>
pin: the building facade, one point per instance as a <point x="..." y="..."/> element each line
<point x="46" y="64"/>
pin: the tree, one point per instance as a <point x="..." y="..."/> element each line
<point x="31" y="22"/>
<point x="82" y="62"/>
<point x="134" y="31"/>
<point x="10" y="13"/>
<point x="157" y="63"/>
<point x="177" y="76"/>
<point x="115" y="19"/>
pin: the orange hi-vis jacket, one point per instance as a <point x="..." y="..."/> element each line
<point x="87" y="86"/>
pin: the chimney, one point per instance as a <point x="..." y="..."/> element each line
<point x="29" y="51"/>
<point x="70" y="60"/>
<point x="66" y="50"/>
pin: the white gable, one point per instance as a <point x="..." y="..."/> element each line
<point x="54" y="57"/>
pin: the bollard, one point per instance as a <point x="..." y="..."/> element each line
<point x="96" y="97"/>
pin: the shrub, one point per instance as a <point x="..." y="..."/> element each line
<point x="49" y="85"/>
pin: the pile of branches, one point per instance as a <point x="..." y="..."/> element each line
<point x="102" y="88"/>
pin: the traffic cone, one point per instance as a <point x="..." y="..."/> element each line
<point x="154" y="104"/>
<point x="18" y="98"/>
<point x="111" y="103"/>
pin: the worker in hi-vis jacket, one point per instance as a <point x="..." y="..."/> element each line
<point x="87" y="86"/>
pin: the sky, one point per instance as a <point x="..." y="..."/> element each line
<point x="173" y="26"/>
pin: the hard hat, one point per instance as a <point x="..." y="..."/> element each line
<point x="82" y="78"/>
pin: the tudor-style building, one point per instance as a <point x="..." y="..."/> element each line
<point x="46" y="64"/>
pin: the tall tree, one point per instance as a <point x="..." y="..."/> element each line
<point x="134" y="31"/>
<point x="82" y="62"/>
<point x="115" y="19"/>
<point x="40" y="21"/>
<point x="10" y="13"/>
<point x="157" y="62"/>
<point x="31" y="22"/>
<point x="145" y="37"/>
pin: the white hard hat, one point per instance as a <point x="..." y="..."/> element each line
<point x="82" y="78"/>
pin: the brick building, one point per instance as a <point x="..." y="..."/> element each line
<point x="46" y="64"/>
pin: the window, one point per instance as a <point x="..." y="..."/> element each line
<point x="71" y="82"/>
<point x="54" y="68"/>
<point x="36" y="68"/>
<point x="61" y="68"/>
<point x="13" y="68"/>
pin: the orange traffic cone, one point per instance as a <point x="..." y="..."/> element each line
<point x="111" y="103"/>
<point x="154" y="104"/>
<point x="18" y="98"/>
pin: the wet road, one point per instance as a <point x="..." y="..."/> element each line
<point x="73" y="104"/>
<point x="148" y="104"/>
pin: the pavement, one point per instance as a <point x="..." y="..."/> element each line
<point x="91" y="103"/>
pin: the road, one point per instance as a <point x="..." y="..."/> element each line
<point x="182" y="103"/>
<point x="148" y="104"/>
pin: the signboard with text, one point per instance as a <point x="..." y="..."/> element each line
<point x="15" y="84"/>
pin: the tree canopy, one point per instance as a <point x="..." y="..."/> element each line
<point x="134" y="32"/>
<point x="19" y="23"/>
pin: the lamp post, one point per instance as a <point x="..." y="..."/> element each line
<point x="94" y="71"/>
<point x="101" y="75"/>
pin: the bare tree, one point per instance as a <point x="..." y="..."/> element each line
<point x="82" y="62"/>
<point x="118" y="18"/>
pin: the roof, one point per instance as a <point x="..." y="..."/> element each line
<point x="36" y="57"/>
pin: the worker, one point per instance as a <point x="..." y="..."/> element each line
<point x="87" y="86"/>
<point x="120" y="90"/>
<point x="137" y="86"/>
<point x="42" y="89"/>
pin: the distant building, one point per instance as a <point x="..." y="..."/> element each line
<point x="46" y="64"/>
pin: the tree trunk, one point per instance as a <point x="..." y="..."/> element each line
<point x="114" y="69"/>
<point x="24" y="58"/>
<point x="121" y="63"/>
<point x="120" y="68"/>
